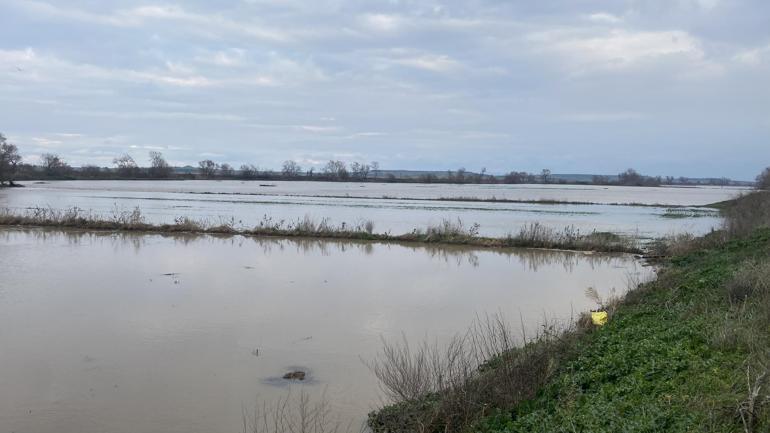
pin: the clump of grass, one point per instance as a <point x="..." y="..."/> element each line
<point x="446" y="388"/>
<point x="289" y="414"/>
<point x="746" y="213"/>
<point x="448" y="229"/>
<point x="537" y="235"/>
<point x="678" y="212"/>
<point x="752" y="280"/>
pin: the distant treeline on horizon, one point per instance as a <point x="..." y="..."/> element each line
<point x="53" y="167"/>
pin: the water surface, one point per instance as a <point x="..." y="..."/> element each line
<point x="394" y="208"/>
<point x="140" y="334"/>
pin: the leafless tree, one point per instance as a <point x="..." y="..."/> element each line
<point x="545" y="175"/>
<point x="126" y="166"/>
<point x="208" y="168"/>
<point x="360" y="171"/>
<point x="226" y="170"/>
<point x="518" y="177"/>
<point x="249" y="171"/>
<point x="458" y="176"/>
<point x="375" y="168"/>
<point x="158" y="165"/>
<point x="336" y="169"/>
<point x="291" y="169"/>
<point x="53" y="165"/>
<point x="9" y="160"/>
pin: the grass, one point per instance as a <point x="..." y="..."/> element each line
<point x="687" y="212"/>
<point x="689" y="351"/>
<point x="452" y="232"/>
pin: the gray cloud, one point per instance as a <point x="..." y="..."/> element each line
<point x="669" y="87"/>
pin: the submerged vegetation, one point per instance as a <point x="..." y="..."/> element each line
<point x="455" y="232"/>
<point x="689" y="351"/>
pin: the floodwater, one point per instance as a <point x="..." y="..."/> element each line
<point x="394" y="208"/>
<point x="150" y="333"/>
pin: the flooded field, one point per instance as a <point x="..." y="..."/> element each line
<point x="395" y="208"/>
<point x="127" y="333"/>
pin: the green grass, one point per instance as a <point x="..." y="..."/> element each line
<point x="663" y="363"/>
<point x="678" y="213"/>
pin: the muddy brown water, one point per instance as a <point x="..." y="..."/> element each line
<point x="147" y="333"/>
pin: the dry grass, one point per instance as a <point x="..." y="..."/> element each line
<point x="747" y="213"/>
<point x="290" y="414"/>
<point x="538" y="235"/>
<point x="453" y="232"/>
<point x="447" y="387"/>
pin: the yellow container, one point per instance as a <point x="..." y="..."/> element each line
<point x="599" y="317"/>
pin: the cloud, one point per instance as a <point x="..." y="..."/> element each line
<point x="199" y="23"/>
<point x="619" y="48"/>
<point x="603" y="18"/>
<point x="382" y="22"/>
<point x="318" y="129"/>
<point x="430" y="62"/>
<point x="614" y="116"/>
<point x="410" y="83"/>
<point x="753" y="56"/>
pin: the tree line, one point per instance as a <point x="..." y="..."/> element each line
<point x="52" y="166"/>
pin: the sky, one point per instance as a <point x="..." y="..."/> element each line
<point x="669" y="87"/>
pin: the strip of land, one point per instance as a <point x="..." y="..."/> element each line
<point x="470" y="199"/>
<point x="448" y="232"/>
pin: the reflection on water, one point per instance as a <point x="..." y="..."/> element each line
<point x="145" y="333"/>
<point x="458" y="255"/>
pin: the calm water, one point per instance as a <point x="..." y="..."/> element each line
<point x="249" y="202"/>
<point x="126" y="333"/>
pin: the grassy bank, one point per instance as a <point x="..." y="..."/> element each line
<point x="451" y="232"/>
<point x="689" y="351"/>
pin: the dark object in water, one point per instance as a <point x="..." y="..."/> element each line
<point x="295" y="375"/>
<point x="265" y="184"/>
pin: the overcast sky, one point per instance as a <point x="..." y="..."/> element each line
<point x="679" y="87"/>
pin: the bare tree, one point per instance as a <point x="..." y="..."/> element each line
<point x="545" y="175"/>
<point x="360" y="171"/>
<point x="458" y="176"/>
<point x="631" y="177"/>
<point x="126" y="166"/>
<point x="226" y="170"/>
<point x="336" y="169"/>
<point x="375" y="168"/>
<point x="158" y="165"/>
<point x="763" y="180"/>
<point x="208" y="168"/>
<point x="249" y="171"/>
<point x="518" y="177"/>
<point x="9" y="161"/>
<point x="291" y="169"/>
<point x="53" y="165"/>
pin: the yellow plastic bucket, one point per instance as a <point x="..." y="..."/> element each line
<point x="599" y="317"/>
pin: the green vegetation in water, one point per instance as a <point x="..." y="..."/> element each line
<point x="452" y="232"/>
<point x="678" y="212"/>
<point x="689" y="351"/>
